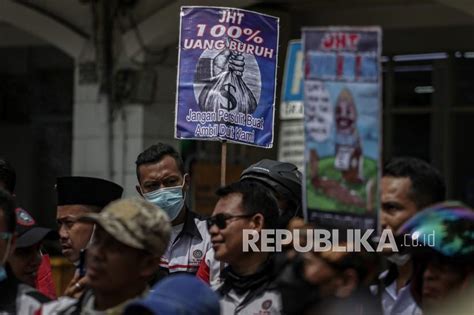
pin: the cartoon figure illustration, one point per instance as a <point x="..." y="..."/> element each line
<point x="330" y="187"/>
<point x="349" y="159"/>
<point x="225" y="87"/>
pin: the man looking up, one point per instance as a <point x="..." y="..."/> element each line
<point x="408" y="185"/>
<point x="163" y="182"/>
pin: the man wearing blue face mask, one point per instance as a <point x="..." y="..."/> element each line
<point x="163" y="182"/>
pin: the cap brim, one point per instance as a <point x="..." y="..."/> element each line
<point x="109" y="225"/>
<point x="34" y="236"/>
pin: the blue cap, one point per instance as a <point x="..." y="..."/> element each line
<point x="181" y="294"/>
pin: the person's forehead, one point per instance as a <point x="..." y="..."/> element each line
<point x="72" y="210"/>
<point x="396" y="185"/>
<point x="166" y="166"/>
<point x="231" y="204"/>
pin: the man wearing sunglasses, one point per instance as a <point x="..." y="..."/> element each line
<point x="15" y="297"/>
<point x="163" y="182"/>
<point x="248" y="278"/>
<point x="284" y="181"/>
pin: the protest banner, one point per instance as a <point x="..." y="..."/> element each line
<point x="226" y="75"/>
<point x="342" y="109"/>
<point x="292" y="87"/>
<point x="291" y="140"/>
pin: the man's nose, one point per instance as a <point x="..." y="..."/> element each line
<point x="213" y="230"/>
<point x="63" y="234"/>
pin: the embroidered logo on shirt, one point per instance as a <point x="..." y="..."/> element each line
<point x="267" y="304"/>
<point x="197" y="254"/>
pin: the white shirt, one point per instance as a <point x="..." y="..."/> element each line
<point x="398" y="303"/>
<point x="189" y="243"/>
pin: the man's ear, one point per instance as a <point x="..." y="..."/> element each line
<point x="258" y="222"/>
<point x="137" y="187"/>
<point x="187" y="181"/>
<point x="348" y="284"/>
<point x="149" y="265"/>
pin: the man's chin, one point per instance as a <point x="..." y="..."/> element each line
<point x="70" y="255"/>
<point x="220" y="255"/>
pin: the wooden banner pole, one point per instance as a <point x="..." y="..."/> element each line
<point x="223" y="162"/>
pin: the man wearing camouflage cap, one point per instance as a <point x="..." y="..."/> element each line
<point x="130" y="238"/>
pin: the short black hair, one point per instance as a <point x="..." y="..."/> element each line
<point x="7" y="175"/>
<point x="427" y="184"/>
<point x="256" y="198"/>
<point x="156" y="153"/>
<point x="7" y="205"/>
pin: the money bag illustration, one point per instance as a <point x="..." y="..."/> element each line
<point x="227" y="90"/>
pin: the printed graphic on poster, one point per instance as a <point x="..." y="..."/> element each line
<point x="226" y="75"/>
<point x="292" y="88"/>
<point x="342" y="126"/>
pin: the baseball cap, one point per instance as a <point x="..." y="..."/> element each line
<point x="29" y="232"/>
<point x="178" y="294"/>
<point x="134" y="222"/>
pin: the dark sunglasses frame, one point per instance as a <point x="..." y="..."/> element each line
<point x="220" y="220"/>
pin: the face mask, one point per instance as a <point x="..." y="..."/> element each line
<point x="170" y="199"/>
<point x="3" y="272"/>
<point x="399" y="259"/>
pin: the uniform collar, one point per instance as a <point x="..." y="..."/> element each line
<point x="189" y="226"/>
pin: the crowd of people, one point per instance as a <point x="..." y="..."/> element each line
<point x="152" y="254"/>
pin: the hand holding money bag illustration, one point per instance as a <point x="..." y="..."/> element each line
<point x="227" y="89"/>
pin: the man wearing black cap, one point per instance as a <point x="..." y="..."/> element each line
<point x="78" y="196"/>
<point x="15" y="297"/>
<point x="26" y="258"/>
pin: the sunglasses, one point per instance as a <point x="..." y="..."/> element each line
<point x="220" y="220"/>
